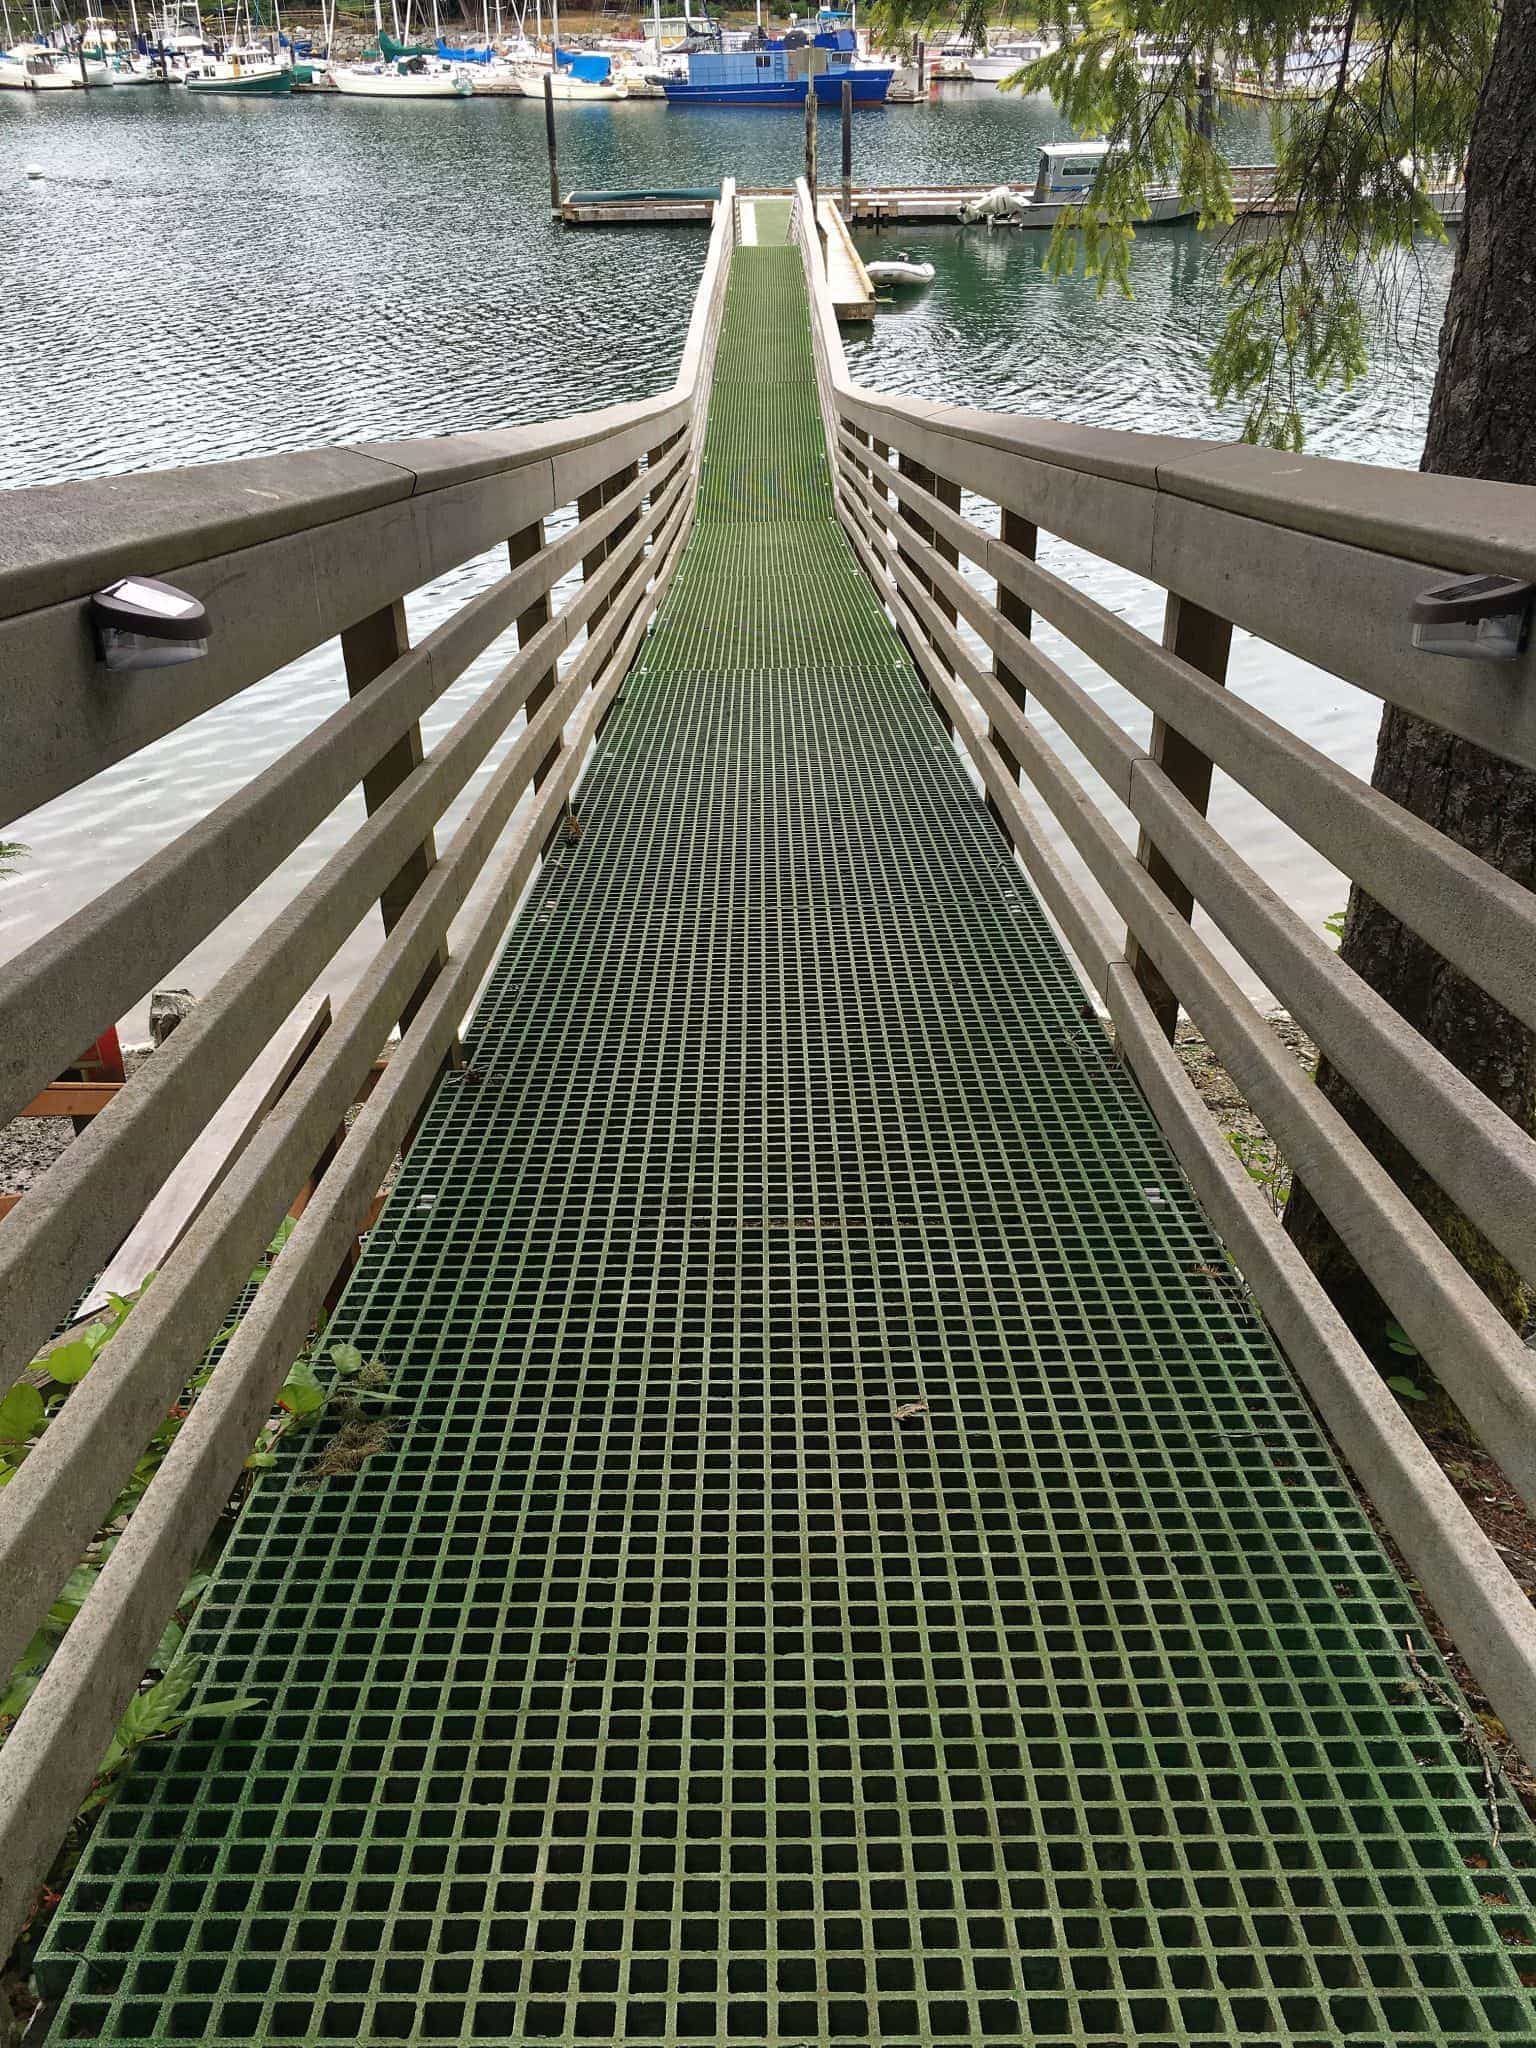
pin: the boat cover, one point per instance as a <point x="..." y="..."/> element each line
<point x="391" y="49"/>
<point x="450" y="55"/>
<point x="587" y="66"/>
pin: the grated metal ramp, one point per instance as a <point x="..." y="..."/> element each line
<point x="851" y="1568"/>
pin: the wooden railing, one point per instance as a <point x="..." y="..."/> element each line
<point x="1322" y="559"/>
<point x="286" y="553"/>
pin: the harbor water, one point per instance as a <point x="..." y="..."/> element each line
<point x="190" y="280"/>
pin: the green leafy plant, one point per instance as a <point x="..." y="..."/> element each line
<point x="1406" y="1389"/>
<point x="161" y="1706"/>
<point x="159" y="1710"/>
<point x="1264" y="1167"/>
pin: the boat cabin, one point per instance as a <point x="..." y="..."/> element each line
<point x="1067" y="170"/>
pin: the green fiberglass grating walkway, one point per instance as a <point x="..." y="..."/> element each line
<point x="850" y="1568"/>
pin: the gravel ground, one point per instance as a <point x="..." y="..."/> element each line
<point x="30" y="1145"/>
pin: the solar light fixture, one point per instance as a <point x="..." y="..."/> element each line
<point x="142" y="623"/>
<point x="1479" y="618"/>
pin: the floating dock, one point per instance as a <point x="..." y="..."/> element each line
<point x="1254" y="194"/>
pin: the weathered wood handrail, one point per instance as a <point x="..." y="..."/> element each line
<point x="1316" y="557"/>
<point x="286" y="554"/>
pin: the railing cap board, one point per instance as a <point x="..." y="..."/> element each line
<point x="1454" y="522"/>
<point x="62" y="541"/>
<point x="1101" y="451"/>
<point x="435" y="462"/>
<point x="1448" y="521"/>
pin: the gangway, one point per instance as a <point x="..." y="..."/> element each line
<point x="849" y="1560"/>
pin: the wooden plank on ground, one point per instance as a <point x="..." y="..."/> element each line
<point x="72" y="1098"/>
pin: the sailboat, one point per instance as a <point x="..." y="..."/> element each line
<point x="403" y="72"/>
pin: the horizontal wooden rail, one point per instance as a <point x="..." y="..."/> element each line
<point x="77" y="1214"/>
<point x="1238" y="533"/>
<point x="118" y="946"/>
<point x="47" y="1763"/>
<point x="633" y="473"/>
<point x="1481" y="1158"/>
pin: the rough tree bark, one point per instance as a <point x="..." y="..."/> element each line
<point x="1482" y="423"/>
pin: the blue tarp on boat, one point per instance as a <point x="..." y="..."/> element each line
<point x="451" y="56"/>
<point x="585" y="65"/>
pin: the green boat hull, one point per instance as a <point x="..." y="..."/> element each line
<point x="264" y="85"/>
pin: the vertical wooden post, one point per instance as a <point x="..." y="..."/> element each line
<point x="588" y="503"/>
<point x="925" y="480"/>
<point x="922" y="64"/>
<point x="810" y="144"/>
<point x="619" y="481"/>
<point x="848" y="152"/>
<point x="549" y="137"/>
<point x="1022" y="535"/>
<point x="367" y="649"/>
<point x="947" y="494"/>
<point x="1204" y="641"/>
<point x="523" y="545"/>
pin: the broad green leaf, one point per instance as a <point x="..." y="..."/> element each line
<point x="21" y="1688"/>
<point x="22" y="1414"/>
<point x="222" y="1709"/>
<point x="72" y="1595"/>
<point x="301" y="1393"/>
<point x="1405" y="1389"/>
<point x="71" y="1362"/>
<point x="346" y="1358"/>
<point x="169" y="1644"/>
<point x="1400" y="1341"/>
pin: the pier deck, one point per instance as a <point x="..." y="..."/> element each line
<point x="848" y="1564"/>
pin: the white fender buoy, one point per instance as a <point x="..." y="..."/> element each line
<point x="34" y="170"/>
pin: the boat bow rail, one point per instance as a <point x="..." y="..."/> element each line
<point x="945" y="508"/>
<point x="286" y="553"/>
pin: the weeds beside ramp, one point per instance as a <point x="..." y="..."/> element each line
<point x="849" y="1565"/>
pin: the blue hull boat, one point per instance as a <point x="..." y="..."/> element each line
<point x="790" y="93"/>
<point x="869" y="87"/>
<point x="771" y="75"/>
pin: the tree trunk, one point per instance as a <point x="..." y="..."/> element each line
<point x="1482" y="423"/>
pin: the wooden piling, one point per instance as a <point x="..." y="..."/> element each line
<point x="810" y="141"/>
<point x="549" y="136"/>
<point x="847" y="149"/>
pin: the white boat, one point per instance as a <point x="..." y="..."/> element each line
<point x="405" y="78"/>
<point x="563" y="87"/>
<point x="245" y="72"/>
<point x="900" y="270"/>
<point x="1002" y="59"/>
<point x="31" y="68"/>
<point x="637" y="83"/>
<point x="954" y="60"/>
<point x="1064" y="178"/>
<point x="583" y="75"/>
<point x="178" y="31"/>
<point x="148" y="71"/>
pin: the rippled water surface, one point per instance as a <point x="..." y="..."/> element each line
<point x="191" y="279"/>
